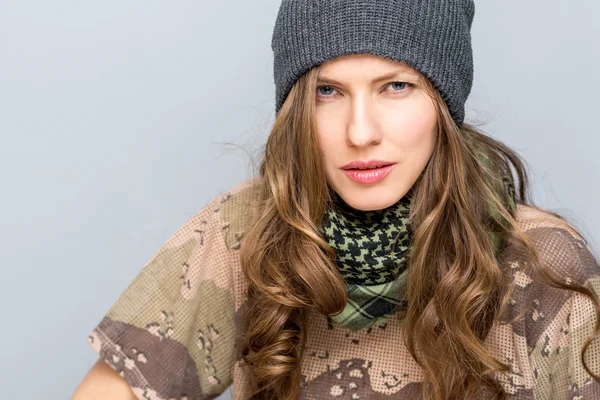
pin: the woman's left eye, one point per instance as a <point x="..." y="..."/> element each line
<point x="399" y="86"/>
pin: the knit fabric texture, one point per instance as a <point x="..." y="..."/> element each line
<point x="432" y="36"/>
<point x="175" y="331"/>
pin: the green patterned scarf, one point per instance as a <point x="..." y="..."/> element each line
<point x="373" y="267"/>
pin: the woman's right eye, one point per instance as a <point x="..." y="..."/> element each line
<point x="325" y="91"/>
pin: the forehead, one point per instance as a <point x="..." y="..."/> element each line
<point x="365" y="64"/>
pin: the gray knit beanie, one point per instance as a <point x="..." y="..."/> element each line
<point x="432" y="36"/>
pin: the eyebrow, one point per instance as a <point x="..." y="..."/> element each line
<point x="393" y="74"/>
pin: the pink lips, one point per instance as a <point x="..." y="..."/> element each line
<point x="368" y="175"/>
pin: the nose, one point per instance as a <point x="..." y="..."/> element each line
<point x="363" y="129"/>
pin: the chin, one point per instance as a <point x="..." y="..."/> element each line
<point x="369" y="200"/>
<point x="370" y="205"/>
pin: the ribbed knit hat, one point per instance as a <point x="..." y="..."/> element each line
<point x="432" y="36"/>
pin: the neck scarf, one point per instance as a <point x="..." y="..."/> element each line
<point x="372" y="263"/>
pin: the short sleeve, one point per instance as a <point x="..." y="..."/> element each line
<point x="171" y="333"/>
<point x="568" y="319"/>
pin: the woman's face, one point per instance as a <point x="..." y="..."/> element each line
<point x="371" y="108"/>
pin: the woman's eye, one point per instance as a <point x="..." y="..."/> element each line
<point x="399" y="86"/>
<point x="325" y="90"/>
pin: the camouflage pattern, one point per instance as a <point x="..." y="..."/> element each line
<point x="174" y="332"/>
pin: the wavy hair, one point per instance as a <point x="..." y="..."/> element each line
<point x="457" y="289"/>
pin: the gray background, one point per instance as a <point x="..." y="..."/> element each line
<point x="113" y="119"/>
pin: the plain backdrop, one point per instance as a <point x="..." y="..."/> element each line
<point x="114" y="123"/>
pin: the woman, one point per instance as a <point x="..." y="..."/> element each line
<point x="381" y="252"/>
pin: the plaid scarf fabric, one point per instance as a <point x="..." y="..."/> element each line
<point x="372" y="304"/>
<point x="372" y="263"/>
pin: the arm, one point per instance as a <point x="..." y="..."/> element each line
<point x="103" y="383"/>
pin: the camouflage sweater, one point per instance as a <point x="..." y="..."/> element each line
<point x="173" y="332"/>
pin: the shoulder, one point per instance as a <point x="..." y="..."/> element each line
<point x="237" y="209"/>
<point x="225" y="217"/>
<point x="552" y="323"/>
<point x="538" y="310"/>
<point x="563" y="254"/>
<point x="562" y="249"/>
<point x="531" y="218"/>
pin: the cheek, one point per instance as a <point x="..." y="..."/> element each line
<point x="330" y="133"/>
<point x="413" y="128"/>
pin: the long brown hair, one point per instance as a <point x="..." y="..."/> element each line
<point x="290" y="268"/>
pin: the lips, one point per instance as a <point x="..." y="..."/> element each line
<point x="366" y="164"/>
<point x="368" y="176"/>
